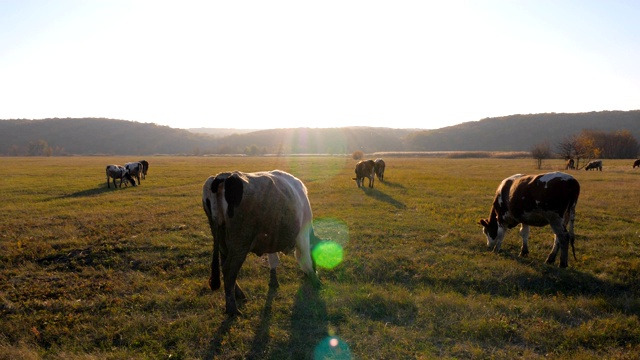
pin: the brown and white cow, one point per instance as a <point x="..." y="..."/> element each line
<point x="535" y="200"/>
<point x="570" y="164"/>
<point x="594" y="165"/>
<point x="636" y="163"/>
<point x="118" y="172"/>
<point x="365" y="169"/>
<point x="379" y="166"/>
<point x="262" y="213"/>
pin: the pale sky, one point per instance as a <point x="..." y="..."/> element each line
<point x="300" y="63"/>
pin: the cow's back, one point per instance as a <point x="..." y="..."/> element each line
<point x="536" y="194"/>
<point x="273" y="210"/>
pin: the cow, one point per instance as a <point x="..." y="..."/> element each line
<point x="636" y="163"/>
<point x="364" y="169"/>
<point x="535" y="200"/>
<point x="118" y="172"/>
<point x="594" y="165"/>
<point x="145" y="168"/>
<point x="262" y="213"/>
<point x="134" y="169"/>
<point x="379" y="166"/>
<point x="570" y="165"/>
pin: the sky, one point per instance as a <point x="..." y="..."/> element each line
<point x="299" y="63"/>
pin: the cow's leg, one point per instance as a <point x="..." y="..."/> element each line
<point x="303" y="256"/>
<point x="498" y="240"/>
<point x="524" y="233"/>
<point x="561" y="242"/>
<point x="232" y="291"/>
<point x="274" y="260"/>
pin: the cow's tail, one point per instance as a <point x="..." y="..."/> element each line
<point x="216" y="232"/>
<point x="572" y="217"/>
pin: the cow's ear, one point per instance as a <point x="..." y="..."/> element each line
<point x="214" y="185"/>
<point x="483" y="222"/>
<point x="233" y="188"/>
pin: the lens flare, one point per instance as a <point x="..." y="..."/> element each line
<point x="327" y="254"/>
<point x="332" y="348"/>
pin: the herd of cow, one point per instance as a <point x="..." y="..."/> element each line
<point x="137" y="169"/>
<point x="269" y="212"/>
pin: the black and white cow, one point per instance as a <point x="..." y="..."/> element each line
<point x="262" y="213"/>
<point x="636" y="163"/>
<point x="379" y="166"/>
<point x="365" y="169"/>
<point x="145" y="168"/>
<point x="535" y="200"/>
<point x="594" y="165"/>
<point x="118" y="172"/>
<point x="134" y="169"/>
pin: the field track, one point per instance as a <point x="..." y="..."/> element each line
<point x="88" y="272"/>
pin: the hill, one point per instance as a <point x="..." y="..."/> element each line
<point x="521" y="132"/>
<point x="118" y="137"/>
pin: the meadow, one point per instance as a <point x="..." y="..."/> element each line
<point x="88" y="272"/>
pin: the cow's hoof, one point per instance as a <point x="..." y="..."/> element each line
<point x="233" y="312"/>
<point x="524" y="253"/>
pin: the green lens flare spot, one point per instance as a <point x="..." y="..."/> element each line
<point x="332" y="348"/>
<point x="327" y="254"/>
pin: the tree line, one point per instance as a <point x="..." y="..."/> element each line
<point x="588" y="145"/>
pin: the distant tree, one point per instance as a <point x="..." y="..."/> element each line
<point x="540" y="152"/>
<point x="251" y="150"/>
<point x="39" y="148"/>
<point x="357" y="155"/>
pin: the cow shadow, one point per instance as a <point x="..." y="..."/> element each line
<point x="391" y="184"/>
<point x="380" y="196"/>
<point x="261" y="339"/>
<point x="214" y="346"/>
<point x="100" y="189"/>
<point x="309" y="321"/>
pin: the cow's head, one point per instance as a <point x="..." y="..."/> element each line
<point x="494" y="233"/>
<point x="128" y="177"/>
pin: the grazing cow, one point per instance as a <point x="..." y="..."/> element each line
<point x="636" y="163"/>
<point x="135" y="169"/>
<point x="379" y="166"/>
<point x="594" y="165"/>
<point x="262" y="212"/>
<point x="364" y="169"/>
<point x="535" y="200"/>
<point x="118" y="172"/>
<point x="145" y="168"/>
<point x="570" y="164"/>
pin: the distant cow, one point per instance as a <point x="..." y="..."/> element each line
<point x="636" y="163"/>
<point x="145" y="168"/>
<point x="263" y="212"/>
<point x="379" y="166"/>
<point x="365" y="169"/>
<point x="594" y="165"/>
<point x="570" y="164"/>
<point x="118" y="172"/>
<point x="135" y="169"/>
<point x="535" y="200"/>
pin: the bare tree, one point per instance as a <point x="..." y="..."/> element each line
<point x="540" y="152"/>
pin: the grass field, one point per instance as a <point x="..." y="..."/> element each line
<point x="88" y="272"/>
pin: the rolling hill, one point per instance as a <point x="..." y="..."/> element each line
<point x="93" y="136"/>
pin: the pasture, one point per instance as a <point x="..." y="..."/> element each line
<point x="88" y="272"/>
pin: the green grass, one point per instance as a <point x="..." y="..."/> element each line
<point x="88" y="272"/>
